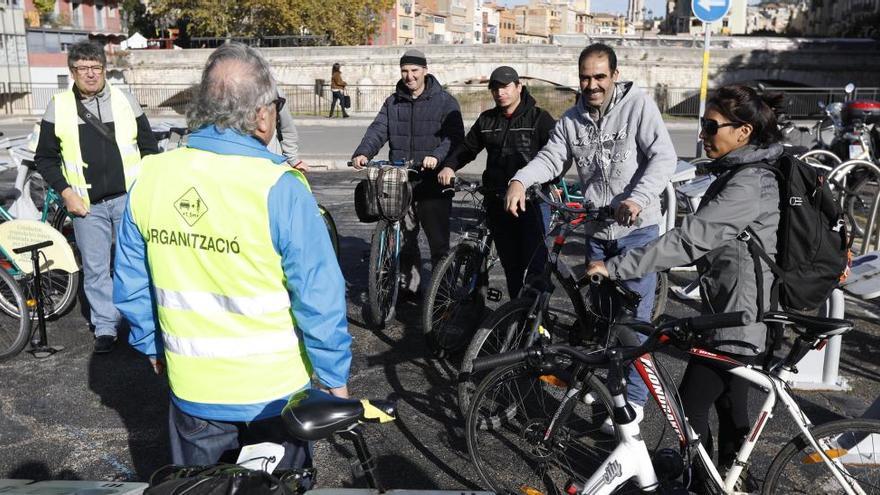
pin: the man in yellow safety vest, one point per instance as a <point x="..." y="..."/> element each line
<point x="91" y="142"/>
<point x="223" y="253"/>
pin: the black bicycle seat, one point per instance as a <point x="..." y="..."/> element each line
<point x="810" y="327"/>
<point x="314" y="415"/>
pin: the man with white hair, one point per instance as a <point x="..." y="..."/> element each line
<point x="224" y="251"/>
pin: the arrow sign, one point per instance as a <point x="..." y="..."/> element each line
<point x="710" y="10"/>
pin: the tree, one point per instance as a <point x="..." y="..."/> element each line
<point x="45" y="8"/>
<point x="345" y="21"/>
<point x="137" y="19"/>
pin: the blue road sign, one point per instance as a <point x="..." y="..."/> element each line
<point x="710" y="10"/>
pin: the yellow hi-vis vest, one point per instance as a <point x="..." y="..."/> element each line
<point x="67" y="131"/>
<point x="220" y="289"/>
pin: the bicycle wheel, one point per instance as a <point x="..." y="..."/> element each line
<point x="331" y="228"/>
<point x="14" y="330"/>
<point x="508" y="326"/>
<point x="854" y="445"/>
<point x="455" y="301"/>
<point x="506" y="425"/>
<point x="383" y="277"/>
<point x="504" y="330"/>
<point x="661" y="294"/>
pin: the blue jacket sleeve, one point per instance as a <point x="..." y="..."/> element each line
<point x="132" y="294"/>
<point x="314" y="280"/>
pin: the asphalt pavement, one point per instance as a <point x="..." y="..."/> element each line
<point x="76" y="415"/>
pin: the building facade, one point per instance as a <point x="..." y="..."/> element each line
<point x="50" y="34"/>
<point x="14" y="67"/>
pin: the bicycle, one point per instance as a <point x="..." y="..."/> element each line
<point x="392" y="200"/>
<point x="518" y="323"/>
<point x="34" y="199"/>
<point x="455" y="302"/>
<point x="504" y="402"/>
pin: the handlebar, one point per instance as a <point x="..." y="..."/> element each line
<point x="597" y="214"/>
<point x="680" y="331"/>
<point x="387" y="163"/>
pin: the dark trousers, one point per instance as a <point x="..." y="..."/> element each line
<point x="431" y="214"/>
<point x="202" y="442"/>
<point x="705" y="383"/>
<point x="337" y="96"/>
<point x="519" y="241"/>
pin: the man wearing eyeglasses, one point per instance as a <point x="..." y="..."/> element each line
<point x="91" y="142"/>
<point x="226" y="273"/>
<point x="624" y="156"/>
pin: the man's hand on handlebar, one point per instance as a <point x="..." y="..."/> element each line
<point x="446" y="176"/>
<point x="429" y="162"/>
<point x="359" y="162"/>
<point x="515" y="200"/>
<point x="597" y="268"/>
<point x="627" y="212"/>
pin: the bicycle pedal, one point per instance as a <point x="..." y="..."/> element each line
<point x="493" y="295"/>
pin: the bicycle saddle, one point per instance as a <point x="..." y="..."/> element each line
<point x="314" y="415"/>
<point x="810" y="327"/>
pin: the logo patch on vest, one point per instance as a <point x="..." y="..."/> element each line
<point x="191" y="206"/>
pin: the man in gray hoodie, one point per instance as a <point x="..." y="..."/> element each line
<point x="624" y="156"/>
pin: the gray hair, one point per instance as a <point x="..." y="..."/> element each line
<point x="86" y="50"/>
<point x="236" y="82"/>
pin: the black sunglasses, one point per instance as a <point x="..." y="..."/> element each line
<point x="279" y="104"/>
<point x="710" y="127"/>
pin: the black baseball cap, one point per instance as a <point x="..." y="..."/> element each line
<point x="503" y="76"/>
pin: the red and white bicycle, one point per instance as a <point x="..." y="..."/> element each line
<point x="533" y="426"/>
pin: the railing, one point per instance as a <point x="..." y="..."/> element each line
<point x="302" y="99"/>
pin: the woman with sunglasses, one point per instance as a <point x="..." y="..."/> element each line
<point x="739" y="128"/>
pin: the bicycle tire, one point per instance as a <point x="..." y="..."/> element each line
<point x="382" y="284"/>
<point x="455" y="302"/>
<point x="516" y="310"/>
<point x="511" y="411"/>
<point x="488" y="340"/>
<point x="14" y="330"/>
<point x="794" y="469"/>
<point x="661" y="295"/>
<point x="331" y="228"/>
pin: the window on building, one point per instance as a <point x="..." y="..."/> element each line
<point x="111" y="11"/>
<point x="405" y="24"/>
<point x="99" y="15"/>
<point x="76" y="14"/>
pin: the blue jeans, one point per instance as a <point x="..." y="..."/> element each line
<point x="202" y="442"/>
<point x="95" y="234"/>
<point x="601" y="250"/>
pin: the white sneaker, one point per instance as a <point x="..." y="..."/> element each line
<point x="607" y="426"/>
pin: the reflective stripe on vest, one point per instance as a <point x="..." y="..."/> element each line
<point x="208" y="303"/>
<point x="67" y="131"/>
<point x="209" y="347"/>
<point x="224" y="312"/>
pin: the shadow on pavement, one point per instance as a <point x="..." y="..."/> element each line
<point x="125" y="382"/>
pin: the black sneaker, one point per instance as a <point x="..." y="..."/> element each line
<point x="104" y="344"/>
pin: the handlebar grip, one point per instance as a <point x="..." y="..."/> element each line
<point x="722" y="320"/>
<point x="499" y="360"/>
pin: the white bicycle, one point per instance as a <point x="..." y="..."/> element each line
<point x="533" y="426"/>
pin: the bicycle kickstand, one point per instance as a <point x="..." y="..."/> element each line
<point x="40" y="349"/>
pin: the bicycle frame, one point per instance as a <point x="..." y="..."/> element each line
<point x="631" y="458"/>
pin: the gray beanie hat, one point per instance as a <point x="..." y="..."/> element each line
<point x="414" y="57"/>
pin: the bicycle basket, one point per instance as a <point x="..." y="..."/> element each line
<point x="393" y="192"/>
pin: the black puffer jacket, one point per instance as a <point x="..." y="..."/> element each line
<point x="430" y="125"/>
<point x="510" y="142"/>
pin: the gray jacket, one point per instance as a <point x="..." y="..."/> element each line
<point x="627" y="154"/>
<point x="750" y="198"/>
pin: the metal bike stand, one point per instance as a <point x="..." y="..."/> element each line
<point x="819" y="370"/>
<point x="40" y="349"/>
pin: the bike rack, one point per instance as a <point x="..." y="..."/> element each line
<point x="838" y="175"/>
<point x="41" y="348"/>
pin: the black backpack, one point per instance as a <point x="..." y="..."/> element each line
<point x="812" y="243"/>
